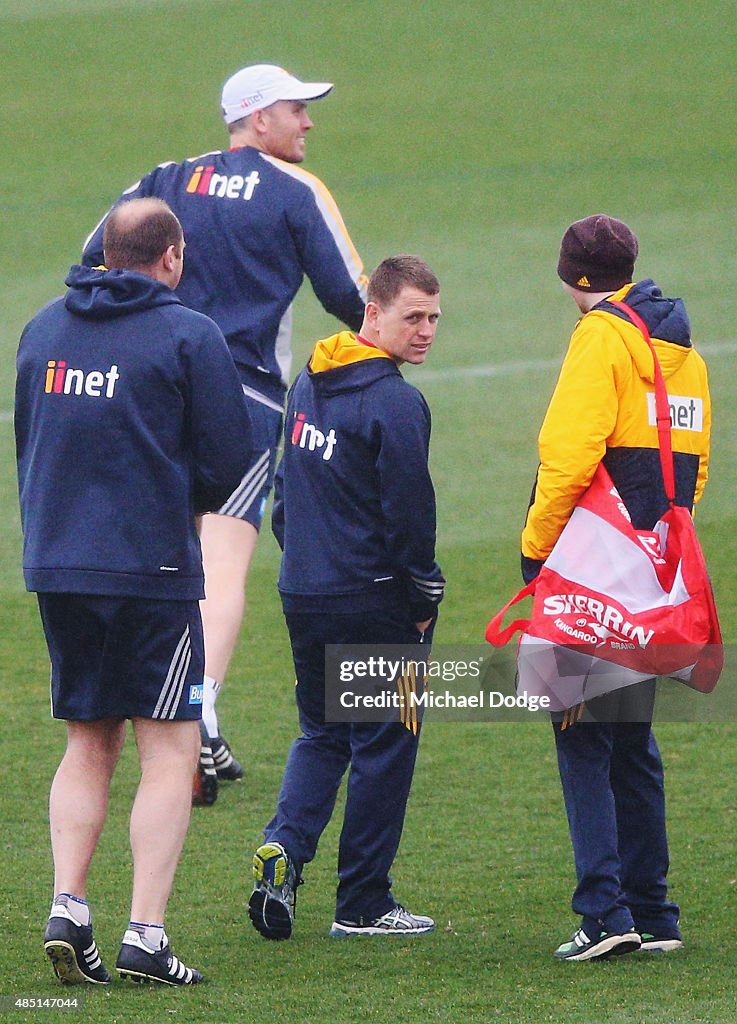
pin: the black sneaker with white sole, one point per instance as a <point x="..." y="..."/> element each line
<point x="599" y="945"/>
<point x="226" y="766"/>
<point x="205" y="783"/>
<point x="274" y="897"/>
<point x="397" y="921"/>
<point x="141" y="964"/>
<point x="73" y="953"/>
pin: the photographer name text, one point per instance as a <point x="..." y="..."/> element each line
<point x="444" y="699"/>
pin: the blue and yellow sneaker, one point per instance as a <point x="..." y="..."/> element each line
<point x="273" y="900"/>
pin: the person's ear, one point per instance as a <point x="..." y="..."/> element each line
<point x="170" y="258"/>
<point x="259" y="121"/>
<point x="372" y="313"/>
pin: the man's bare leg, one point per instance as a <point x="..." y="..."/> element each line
<point x="168" y="754"/>
<point x="79" y="799"/>
<point x="227" y="549"/>
<point x="77" y="810"/>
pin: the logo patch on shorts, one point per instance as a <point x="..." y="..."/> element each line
<point x="195" y="694"/>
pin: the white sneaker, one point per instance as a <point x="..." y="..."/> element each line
<point x="397" y="921"/>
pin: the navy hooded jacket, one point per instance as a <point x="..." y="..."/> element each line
<point x="354" y="509"/>
<point x="130" y="419"/>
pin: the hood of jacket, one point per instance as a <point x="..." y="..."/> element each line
<point x="344" y="362"/>
<point x="666" y="319"/>
<point x="101" y="294"/>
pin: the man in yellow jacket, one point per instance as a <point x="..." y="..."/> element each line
<point x="603" y="409"/>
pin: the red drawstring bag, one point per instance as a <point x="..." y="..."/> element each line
<point x="613" y="605"/>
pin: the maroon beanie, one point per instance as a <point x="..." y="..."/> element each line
<point x="597" y="253"/>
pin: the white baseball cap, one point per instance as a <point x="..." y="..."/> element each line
<point x="260" y="85"/>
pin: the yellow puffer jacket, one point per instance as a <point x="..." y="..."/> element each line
<point x="603" y="409"/>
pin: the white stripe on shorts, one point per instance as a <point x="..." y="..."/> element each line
<point x="171" y="691"/>
<point x="244" y="494"/>
<point x="262" y="399"/>
<point x="176" y="696"/>
<point x="247" y="499"/>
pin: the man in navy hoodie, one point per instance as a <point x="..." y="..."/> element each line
<point x="354" y="513"/>
<point x="129" y="422"/>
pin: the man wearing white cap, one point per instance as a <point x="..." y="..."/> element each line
<point x="255" y="225"/>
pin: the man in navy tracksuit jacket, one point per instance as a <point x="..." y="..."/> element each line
<point x="256" y="223"/>
<point x="129" y="421"/>
<point x="355" y="516"/>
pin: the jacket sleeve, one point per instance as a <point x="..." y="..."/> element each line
<point x="703" y="473"/>
<point x="408" y="499"/>
<point x="277" y="511"/>
<point x="328" y="256"/>
<point x="572" y="441"/>
<point x="219" y="425"/>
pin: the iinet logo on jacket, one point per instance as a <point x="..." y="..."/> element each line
<point x="306" y="435"/>
<point x="204" y="182"/>
<point x="63" y="380"/>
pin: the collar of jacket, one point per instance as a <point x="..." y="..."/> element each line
<point x="342" y="349"/>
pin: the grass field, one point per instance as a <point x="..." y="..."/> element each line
<point x="471" y="133"/>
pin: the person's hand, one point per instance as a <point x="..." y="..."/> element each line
<point x="422" y="626"/>
<point x="531" y="567"/>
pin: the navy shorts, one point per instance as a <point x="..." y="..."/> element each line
<point x="248" y="500"/>
<point x="123" y="657"/>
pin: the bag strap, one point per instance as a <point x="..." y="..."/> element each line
<point x="662" y="405"/>
<point x="498" y="637"/>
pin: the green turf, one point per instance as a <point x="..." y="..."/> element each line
<point x="472" y="133"/>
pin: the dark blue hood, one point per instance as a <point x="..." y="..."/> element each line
<point x="101" y="294"/>
<point x="666" y="318"/>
